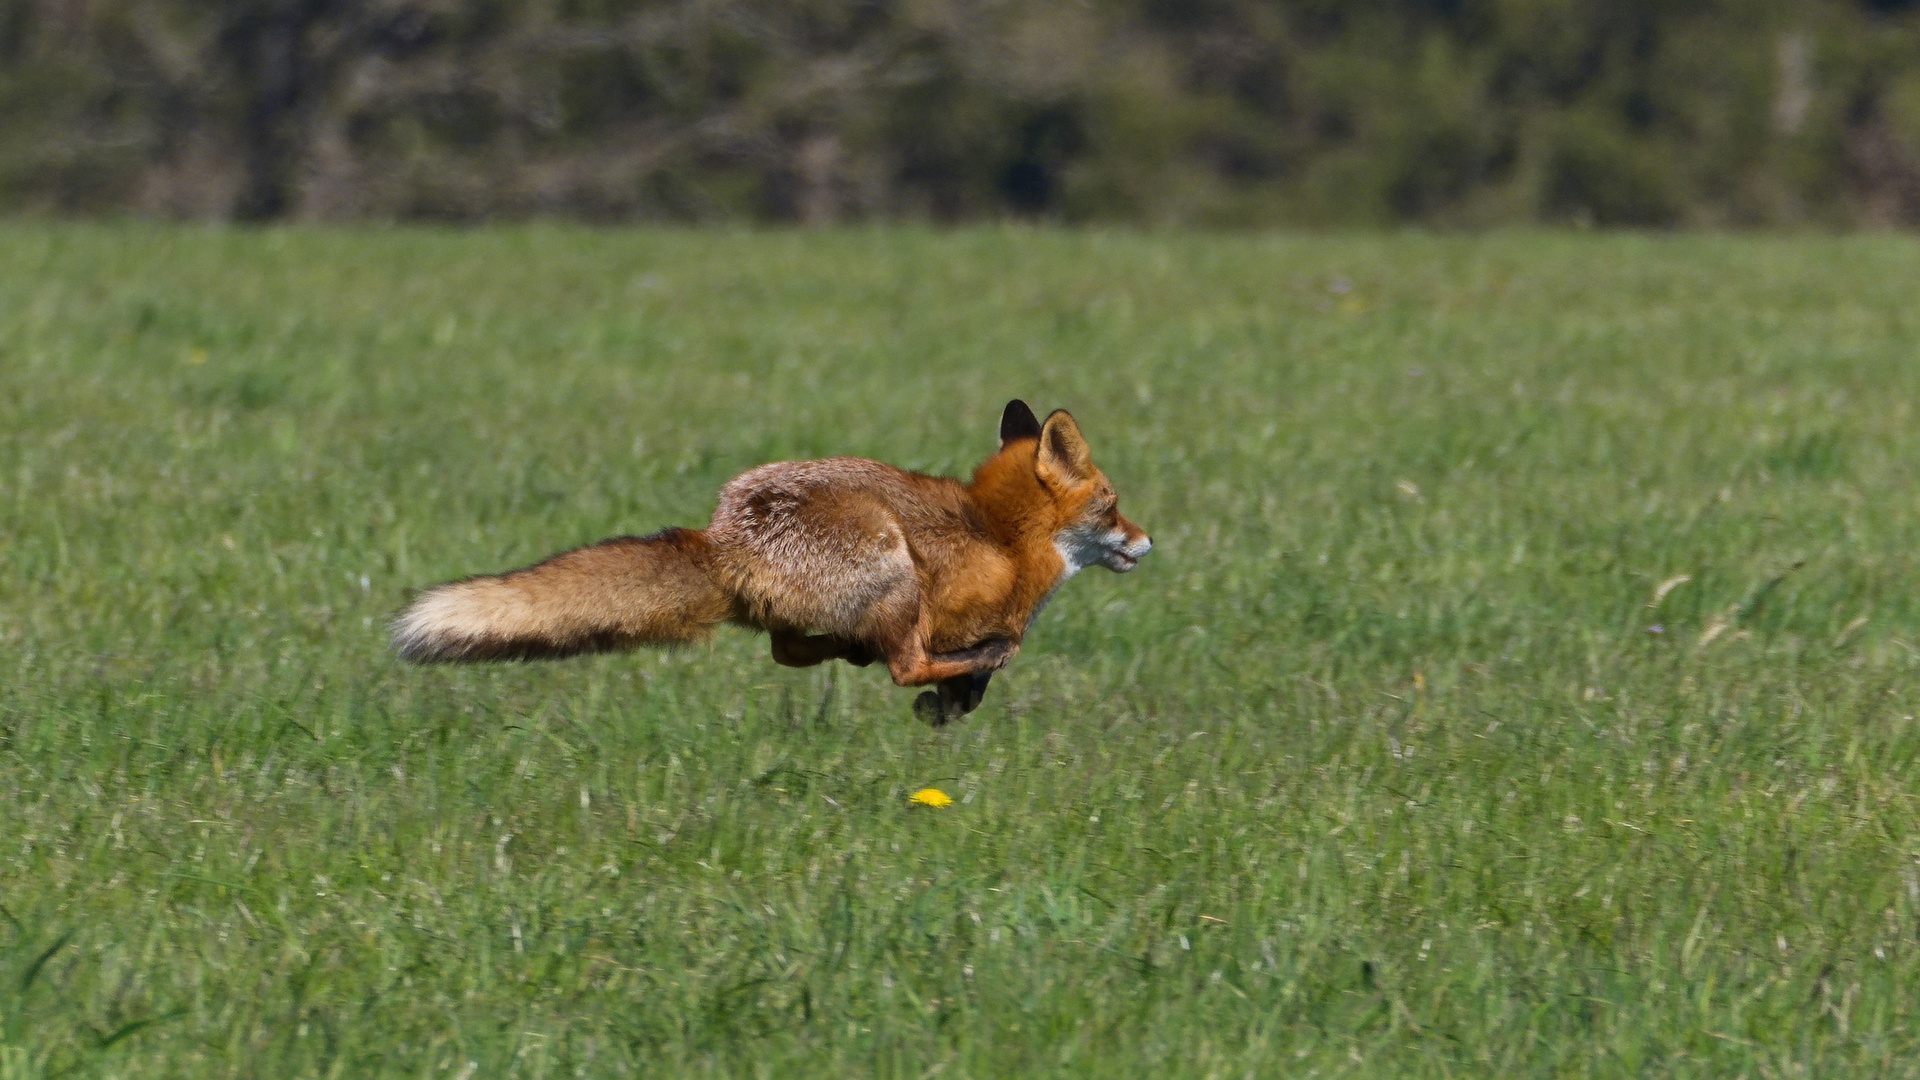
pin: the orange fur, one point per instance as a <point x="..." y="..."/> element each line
<point x="841" y="558"/>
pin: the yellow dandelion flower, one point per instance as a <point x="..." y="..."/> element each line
<point x="930" y="796"/>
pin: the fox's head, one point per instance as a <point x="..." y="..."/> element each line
<point x="1087" y="526"/>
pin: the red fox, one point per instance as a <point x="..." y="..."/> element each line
<point x="842" y="558"/>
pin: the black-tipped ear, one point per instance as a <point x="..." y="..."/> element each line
<point x="1063" y="457"/>
<point x="1018" y="422"/>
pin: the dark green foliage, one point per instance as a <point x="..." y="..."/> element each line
<point x="1467" y="112"/>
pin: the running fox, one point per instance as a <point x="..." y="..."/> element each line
<point x="842" y="558"/>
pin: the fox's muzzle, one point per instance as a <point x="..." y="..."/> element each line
<point x="1128" y="554"/>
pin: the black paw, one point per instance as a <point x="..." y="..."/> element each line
<point x="930" y="709"/>
<point x="952" y="699"/>
<point x="966" y="691"/>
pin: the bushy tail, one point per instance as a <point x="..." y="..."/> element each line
<point x="604" y="597"/>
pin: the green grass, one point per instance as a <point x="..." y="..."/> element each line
<point x="1374" y="768"/>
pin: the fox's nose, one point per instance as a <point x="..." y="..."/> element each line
<point x="1140" y="546"/>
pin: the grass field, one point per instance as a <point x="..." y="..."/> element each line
<point x="1523" y="681"/>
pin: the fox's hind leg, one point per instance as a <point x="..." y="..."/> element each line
<point x="899" y="633"/>
<point x="794" y="649"/>
<point x="911" y="664"/>
<point x="860" y="597"/>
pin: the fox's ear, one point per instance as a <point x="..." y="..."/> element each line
<point x="1018" y="422"/>
<point x="1063" y="456"/>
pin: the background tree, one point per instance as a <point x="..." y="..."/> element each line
<point x="1463" y="112"/>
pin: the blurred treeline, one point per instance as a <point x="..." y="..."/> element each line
<point x="1464" y="112"/>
